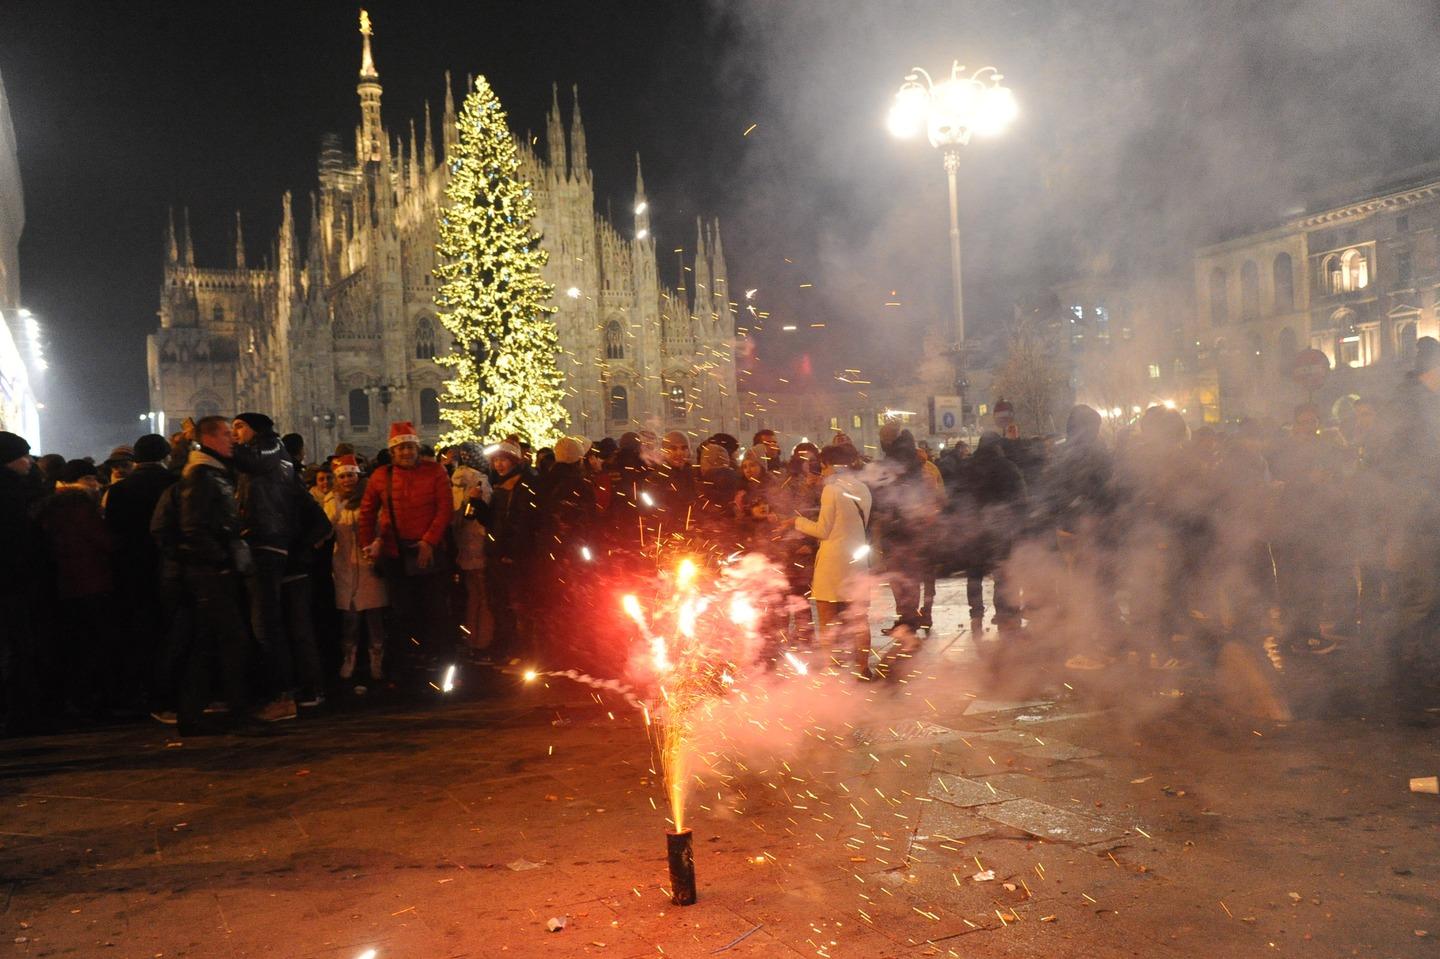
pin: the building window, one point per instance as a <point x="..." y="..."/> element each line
<point x="1403" y="269"/>
<point x="1332" y="276"/>
<point x="429" y="407"/>
<point x="619" y="404"/>
<point x="1355" y="271"/>
<point x="675" y="402"/>
<point x="359" y="409"/>
<point x="1249" y="291"/>
<point x="1219" y="307"/>
<point x="835" y="424"/>
<point x="614" y="341"/>
<point x="1405" y="336"/>
<point x="1402" y="224"/>
<point x="856" y="422"/>
<point x="424" y="338"/>
<point x="1154" y="371"/>
<point x="1284" y="276"/>
<point x="218" y="314"/>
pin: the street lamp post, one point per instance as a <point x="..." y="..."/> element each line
<point x="950" y="112"/>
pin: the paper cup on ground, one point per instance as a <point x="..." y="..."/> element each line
<point x="1426" y="784"/>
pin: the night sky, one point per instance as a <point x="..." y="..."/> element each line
<point x="1146" y="127"/>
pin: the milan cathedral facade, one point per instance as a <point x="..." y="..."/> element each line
<point x="335" y="334"/>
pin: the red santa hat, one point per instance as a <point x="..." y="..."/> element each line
<point x="344" y="464"/>
<point x="403" y="432"/>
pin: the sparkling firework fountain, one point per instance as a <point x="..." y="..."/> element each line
<point x="696" y="644"/>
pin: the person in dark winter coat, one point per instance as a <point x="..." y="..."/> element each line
<point x="21" y="486"/>
<point x="129" y="507"/>
<point x="510" y="521"/>
<point x="212" y="555"/>
<point x="79" y="548"/>
<point x="270" y="524"/>
<point x="990" y="506"/>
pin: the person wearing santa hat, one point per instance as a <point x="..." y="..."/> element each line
<point x="404" y="516"/>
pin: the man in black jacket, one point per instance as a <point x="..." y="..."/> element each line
<point x="991" y="497"/>
<point x="204" y="533"/>
<point x="269" y="523"/>
<point x="129" y="507"/>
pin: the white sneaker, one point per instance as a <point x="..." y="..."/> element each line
<point x="377" y="659"/>
<point x="347" y="665"/>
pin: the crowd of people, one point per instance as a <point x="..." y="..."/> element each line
<point x="217" y="578"/>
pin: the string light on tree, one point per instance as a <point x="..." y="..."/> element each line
<point x="492" y="297"/>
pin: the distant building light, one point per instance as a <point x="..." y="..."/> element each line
<point x="573" y="292"/>
<point x="641" y="234"/>
<point x="641" y="207"/>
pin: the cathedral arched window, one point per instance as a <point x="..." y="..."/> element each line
<point x="619" y="404"/>
<point x="614" y="341"/>
<point x="429" y="407"/>
<point x="424" y="338"/>
<point x="1284" y="277"/>
<point x="359" y="409"/>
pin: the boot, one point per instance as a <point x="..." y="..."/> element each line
<point x="377" y="658"/>
<point x="347" y="665"/>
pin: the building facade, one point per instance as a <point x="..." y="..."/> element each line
<point x="1358" y="281"/>
<point x="19" y="410"/>
<point x="336" y="334"/>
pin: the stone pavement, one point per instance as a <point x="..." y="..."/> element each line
<point x="939" y="816"/>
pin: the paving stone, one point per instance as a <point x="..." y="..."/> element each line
<point x="1060" y="752"/>
<point x="1051" y="822"/>
<point x="909" y="731"/>
<point x="984" y="706"/>
<point x="959" y="791"/>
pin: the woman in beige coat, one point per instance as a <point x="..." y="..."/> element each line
<point x="359" y="588"/>
<point x="840" y="585"/>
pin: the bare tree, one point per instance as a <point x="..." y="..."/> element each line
<point x="1032" y="377"/>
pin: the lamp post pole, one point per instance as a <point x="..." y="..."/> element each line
<point x="952" y="165"/>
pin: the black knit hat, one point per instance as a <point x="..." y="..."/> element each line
<point x="12" y="447"/>
<point x="151" y="448"/>
<point x="258" y="422"/>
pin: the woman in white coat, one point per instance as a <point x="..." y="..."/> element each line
<point x="359" y="589"/>
<point x="841" y="582"/>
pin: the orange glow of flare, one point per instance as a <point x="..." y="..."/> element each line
<point x="685" y="575"/>
<point x="632" y="609"/>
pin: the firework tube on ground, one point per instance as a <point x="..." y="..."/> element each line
<point x="680" y="849"/>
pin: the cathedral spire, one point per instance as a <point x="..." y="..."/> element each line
<point x="448" y="131"/>
<point x="187" y="246"/>
<point x="239" y="243"/>
<point x="172" y="249"/>
<point x="642" y="204"/>
<point x="555" y="135"/>
<point x="414" y="182"/>
<point x="371" y="135"/>
<point x="703" y="287"/>
<point x="427" y="152"/>
<point x="579" y="163"/>
<point x="719" y="274"/>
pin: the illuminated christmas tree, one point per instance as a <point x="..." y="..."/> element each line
<point x="492" y="297"/>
